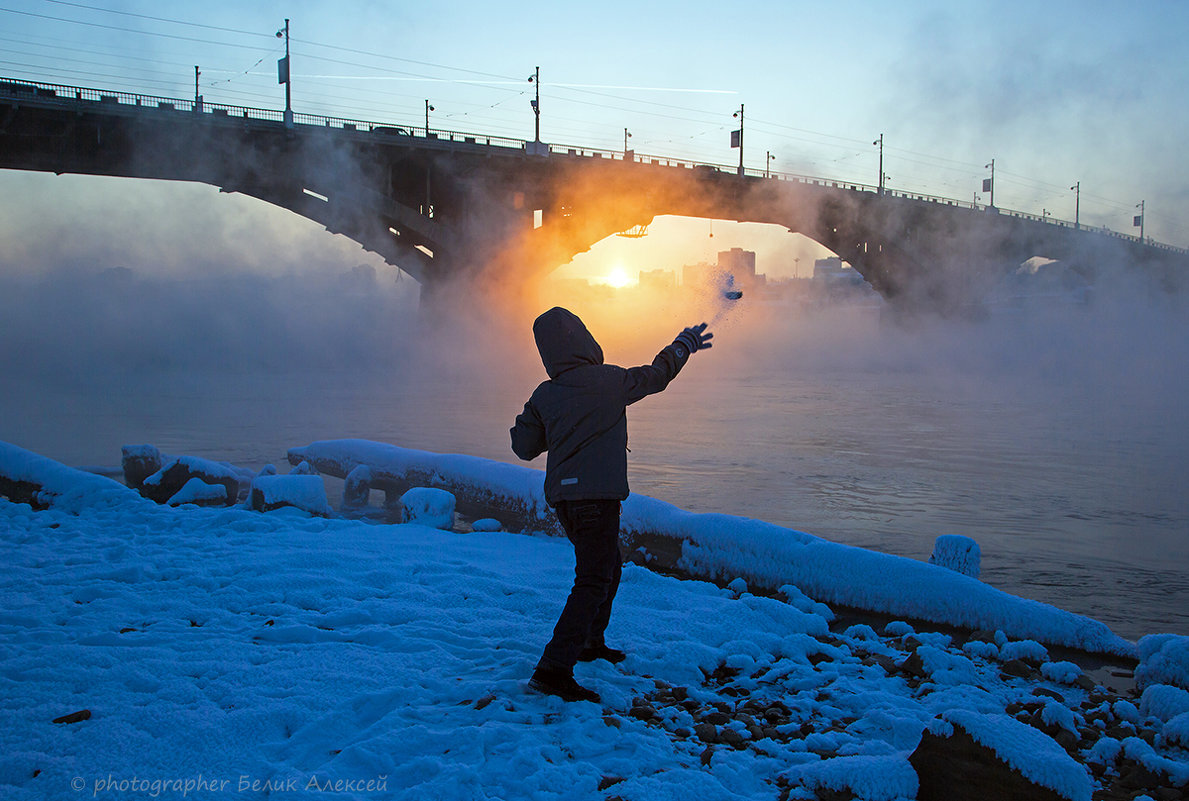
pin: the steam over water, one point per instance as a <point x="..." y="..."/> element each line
<point x="1053" y="432"/>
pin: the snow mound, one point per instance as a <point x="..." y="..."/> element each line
<point x="487" y="524"/>
<point x="427" y="506"/>
<point x="304" y="492"/>
<point x="1163" y="701"/>
<point x="958" y="553"/>
<point x="49" y="483"/>
<point x="198" y="491"/>
<point x="1163" y="659"/>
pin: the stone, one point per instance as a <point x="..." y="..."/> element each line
<point x="303" y="492"/>
<point x="956" y="768"/>
<point x="706" y="732"/>
<point x="139" y="462"/>
<point x="75" y="717"/>
<point x="426" y="506"/>
<point x="357" y="487"/>
<point x="170" y="478"/>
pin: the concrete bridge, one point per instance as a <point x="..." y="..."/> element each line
<point x="446" y="206"/>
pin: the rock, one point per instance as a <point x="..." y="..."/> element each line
<point x="957" y="553"/>
<point x="737" y="586"/>
<point x="717" y="718"/>
<point x="487" y="524"/>
<point x="426" y="506"/>
<point x="1017" y="667"/>
<point x="198" y="492"/>
<point x="956" y="768"/>
<point x="357" y="487"/>
<point x="169" y="480"/>
<point x="139" y="462"/>
<point x="706" y="732"/>
<point x="304" y="469"/>
<point x="74" y="717"/>
<point x="307" y="493"/>
<point x="732" y="737"/>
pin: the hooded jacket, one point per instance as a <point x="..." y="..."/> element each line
<point x="580" y="414"/>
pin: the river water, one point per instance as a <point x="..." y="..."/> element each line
<point x="1058" y="443"/>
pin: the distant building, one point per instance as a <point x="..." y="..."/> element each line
<point x="739" y="263"/>
<point x="658" y="279"/>
<point x="698" y="275"/>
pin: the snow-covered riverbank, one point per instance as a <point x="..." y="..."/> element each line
<point x="268" y="653"/>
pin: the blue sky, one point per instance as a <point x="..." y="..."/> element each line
<point x="1056" y="93"/>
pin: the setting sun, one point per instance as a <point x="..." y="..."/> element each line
<point x="618" y="277"/>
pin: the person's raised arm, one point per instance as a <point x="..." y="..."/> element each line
<point x="652" y="378"/>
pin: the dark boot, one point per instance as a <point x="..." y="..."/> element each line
<point x="561" y="684"/>
<point x="592" y="652"/>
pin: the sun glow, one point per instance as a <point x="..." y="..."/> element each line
<point x="618" y="277"/>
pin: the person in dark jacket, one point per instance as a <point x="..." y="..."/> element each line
<point x="579" y="416"/>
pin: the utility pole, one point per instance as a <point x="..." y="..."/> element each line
<point x="1077" y="207"/>
<point x="428" y="108"/>
<point x="737" y="137"/>
<point x="989" y="183"/>
<point x="283" y="75"/>
<point x="536" y="78"/>
<point x="879" y="142"/>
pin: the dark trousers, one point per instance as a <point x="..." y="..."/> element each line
<point x="593" y="528"/>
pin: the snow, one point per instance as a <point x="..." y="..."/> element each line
<point x="196" y="490"/>
<point x="1031" y="752"/>
<point x="296" y="490"/>
<point x="487" y="524"/>
<point x="206" y="467"/>
<point x="235" y="650"/>
<point x="1163" y="701"/>
<point x="1163" y="659"/>
<point x="1176" y="731"/>
<point x="1061" y="672"/>
<point x="723" y="547"/>
<point x="428" y="507"/>
<point x="957" y="553"/>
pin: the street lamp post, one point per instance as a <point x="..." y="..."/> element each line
<point x="197" y="97"/>
<point x="428" y="108"/>
<point x="1077" y="204"/>
<point x="767" y="162"/>
<point x="627" y="154"/>
<point x="989" y="183"/>
<point x="879" y="142"/>
<point x="737" y="137"/>
<point x="283" y="74"/>
<point x="536" y="103"/>
<point x="1140" y="219"/>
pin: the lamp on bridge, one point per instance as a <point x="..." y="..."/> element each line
<point x="1138" y="222"/>
<point x="737" y="137"/>
<point x="1077" y="204"/>
<point x="428" y="108"/>
<point x="768" y="161"/>
<point x="628" y="155"/>
<point x="879" y="142"/>
<point x="283" y="75"/>
<point x="536" y="103"/>
<point x="989" y="183"/>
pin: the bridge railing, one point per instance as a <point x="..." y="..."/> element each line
<point x="37" y="91"/>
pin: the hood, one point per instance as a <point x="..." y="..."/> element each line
<point x="564" y="342"/>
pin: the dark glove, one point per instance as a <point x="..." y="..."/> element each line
<point x="695" y="338"/>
